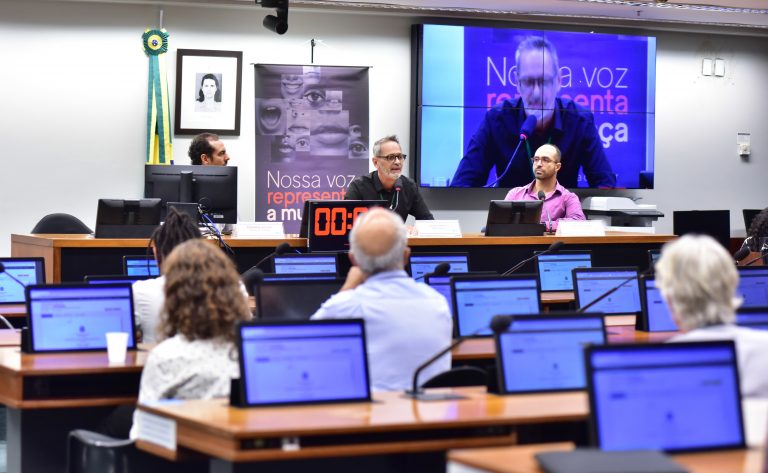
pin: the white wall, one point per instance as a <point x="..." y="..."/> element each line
<point x="73" y="114"/>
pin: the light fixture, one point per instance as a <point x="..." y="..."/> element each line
<point x="277" y="23"/>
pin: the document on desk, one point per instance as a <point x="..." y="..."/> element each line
<point x="156" y="429"/>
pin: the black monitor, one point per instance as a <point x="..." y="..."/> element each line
<point x="514" y="218"/>
<point x="293" y="297"/>
<point x="214" y="188"/>
<point x="119" y="218"/>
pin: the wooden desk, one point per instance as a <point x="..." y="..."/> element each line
<point x="71" y="257"/>
<point x="49" y="395"/>
<point x="521" y="460"/>
<point x="352" y="433"/>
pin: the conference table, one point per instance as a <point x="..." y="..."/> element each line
<point x="392" y="433"/>
<point x="72" y="257"/>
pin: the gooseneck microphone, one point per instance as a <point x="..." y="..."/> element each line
<point x="554" y="247"/>
<point x="280" y="249"/>
<point x="396" y="199"/>
<point x="741" y="254"/>
<point x="440" y="270"/>
<point x="526" y="130"/>
<point x="614" y="289"/>
<point x="763" y="253"/>
<point x="541" y="195"/>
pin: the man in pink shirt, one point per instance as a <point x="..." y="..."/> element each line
<point x="559" y="202"/>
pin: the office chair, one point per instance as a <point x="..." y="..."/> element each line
<point x="90" y="452"/>
<point x="61" y="223"/>
<point x="458" y="377"/>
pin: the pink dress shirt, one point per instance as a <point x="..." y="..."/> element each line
<point x="561" y="203"/>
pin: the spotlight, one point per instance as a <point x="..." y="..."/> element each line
<point x="277" y="23"/>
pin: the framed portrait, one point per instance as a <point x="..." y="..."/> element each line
<point x="208" y="88"/>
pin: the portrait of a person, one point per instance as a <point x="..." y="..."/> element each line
<point x="209" y="94"/>
<point x="559" y="121"/>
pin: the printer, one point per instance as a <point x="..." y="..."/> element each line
<point x="621" y="212"/>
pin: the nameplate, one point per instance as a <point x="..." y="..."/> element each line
<point x="270" y="230"/>
<point x="155" y="429"/>
<point x="437" y="229"/>
<point x="580" y="228"/>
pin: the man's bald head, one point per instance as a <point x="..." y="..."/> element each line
<point x="379" y="241"/>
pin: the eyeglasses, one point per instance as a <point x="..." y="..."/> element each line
<point x="530" y="82"/>
<point x="393" y="157"/>
<point x="542" y="159"/>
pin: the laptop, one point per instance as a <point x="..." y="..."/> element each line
<point x="29" y="271"/>
<point x="305" y="263"/>
<point x="673" y="397"/>
<point x="555" y="269"/>
<point x="753" y="317"/>
<point x="303" y="362"/>
<point x="542" y="353"/>
<point x="114" y="278"/>
<point x="134" y="265"/>
<point x="76" y="317"/>
<point x="442" y="284"/>
<point x="654" y="314"/>
<point x="294" y="297"/>
<point x="753" y="286"/>
<point x="591" y="283"/>
<point x="422" y="264"/>
<point x="477" y="299"/>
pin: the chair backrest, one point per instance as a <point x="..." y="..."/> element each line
<point x="61" y="223"/>
<point x="715" y="223"/>
<point x="90" y="452"/>
<point x="458" y="377"/>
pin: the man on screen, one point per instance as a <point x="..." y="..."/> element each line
<point x="559" y="203"/>
<point x="207" y="150"/>
<point x="406" y="322"/>
<point x="558" y="121"/>
<point x="388" y="183"/>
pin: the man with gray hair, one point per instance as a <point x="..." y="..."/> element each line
<point x="698" y="281"/>
<point x="387" y="182"/>
<point x="559" y="121"/>
<point x="406" y="322"/>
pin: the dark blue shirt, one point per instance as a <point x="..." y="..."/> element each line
<point x="573" y="131"/>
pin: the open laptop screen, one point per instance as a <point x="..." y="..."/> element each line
<point x="140" y="266"/>
<point x="27" y="270"/>
<point x="655" y="315"/>
<point x="555" y="270"/>
<point x="753" y="286"/>
<point x="589" y="284"/>
<point x="77" y="317"/>
<point x="293" y="297"/>
<point x="544" y="353"/>
<point x="673" y="397"/>
<point x="305" y="264"/>
<point x="303" y="362"/>
<point x="753" y="317"/>
<point x="115" y="278"/>
<point x="476" y="300"/>
<point x="422" y="264"/>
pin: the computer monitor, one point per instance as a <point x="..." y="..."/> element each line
<point x="295" y="297"/>
<point x="591" y="283"/>
<point x="715" y="223"/>
<point x="540" y="353"/>
<point x="442" y="284"/>
<point x="673" y="397"/>
<point x="477" y="299"/>
<point x="305" y="263"/>
<point x="303" y="362"/>
<point x="555" y="270"/>
<point x="754" y="317"/>
<point x="654" y="315"/>
<point x="122" y="218"/>
<point x="77" y="317"/>
<point x="753" y="286"/>
<point x="514" y="218"/>
<point x="214" y="188"/>
<point x="422" y="264"/>
<point x="114" y="279"/>
<point x="27" y="270"/>
<point x="136" y="265"/>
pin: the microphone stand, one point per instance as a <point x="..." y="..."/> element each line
<point x="553" y="247"/>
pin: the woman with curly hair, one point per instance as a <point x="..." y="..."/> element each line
<point x="758" y="230"/>
<point x="203" y="305"/>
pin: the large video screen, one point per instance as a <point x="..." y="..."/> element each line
<point x="593" y="96"/>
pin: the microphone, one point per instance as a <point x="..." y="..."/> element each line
<point x="440" y="270"/>
<point x="763" y="253"/>
<point x="553" y="248"/>
<point x="614" y="289"/>
<point x="396" y="198"/>
<point x="541" y="195"/>
<point x="281" y="249"/>
<point x="526" y="130"/>
<point x="741" y="254"/>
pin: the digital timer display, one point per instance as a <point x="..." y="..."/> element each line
<point x="330" y="222"/>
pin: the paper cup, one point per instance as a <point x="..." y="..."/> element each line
<point x="117" y="345"/>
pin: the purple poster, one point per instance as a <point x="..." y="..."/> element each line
<point x="311" y="136"/>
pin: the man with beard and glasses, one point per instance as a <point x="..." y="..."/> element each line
<point x="387" y="182"/>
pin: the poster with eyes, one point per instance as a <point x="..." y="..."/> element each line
<point x="311" y="136"/>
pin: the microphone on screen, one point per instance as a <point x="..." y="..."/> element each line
<point x="553" y="248"/>
<point x="440" y="270"/>
<point x="541" y="195"/>
<point x="526" y="130"/>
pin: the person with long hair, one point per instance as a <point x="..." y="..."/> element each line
<point x="209" y="94"/>
<point x="758" y="230"/>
